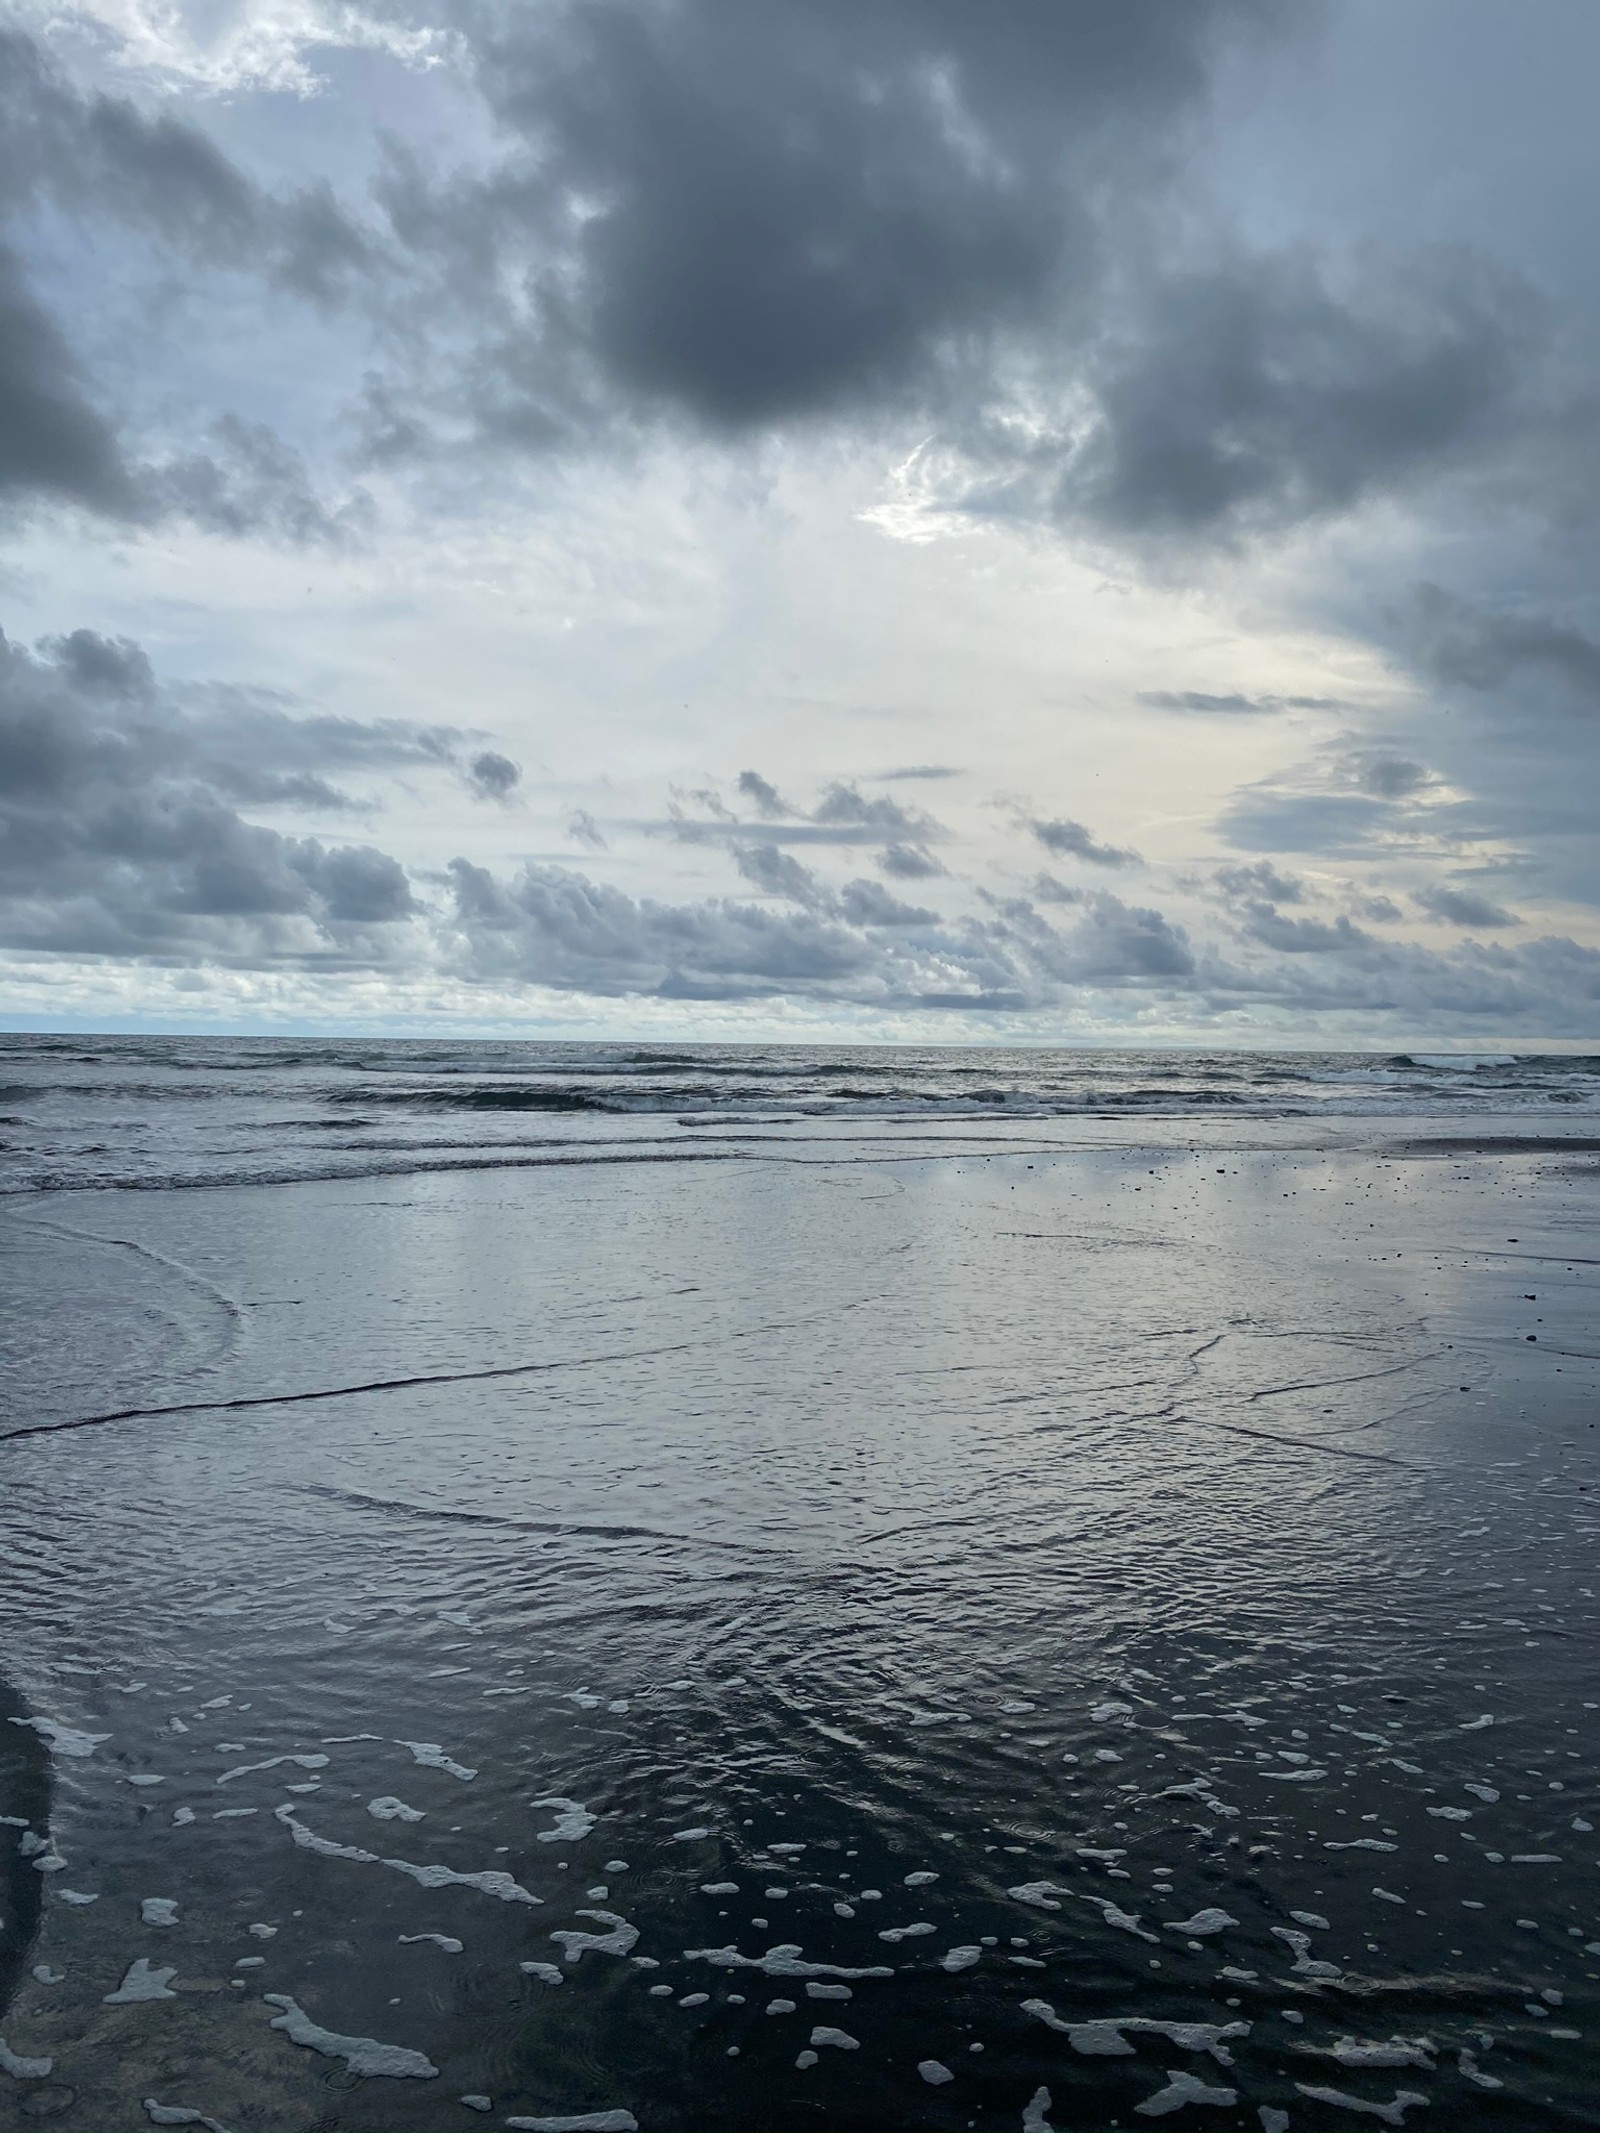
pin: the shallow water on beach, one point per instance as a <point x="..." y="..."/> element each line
<point x="851" y="1633"/>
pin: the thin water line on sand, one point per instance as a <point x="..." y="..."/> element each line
<point x="442" y="1377"/>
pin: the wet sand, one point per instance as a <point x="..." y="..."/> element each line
<point x="736" y="1644"/>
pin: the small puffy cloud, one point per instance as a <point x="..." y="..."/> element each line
<point x="1391" y="777"/>
<point x="775" y="872"/>
<point x="583" y="829"/>
<point x="1068" y="839"/>
<point x="1302" y="936"/>
<point x="847" y="804"/>
<point x="1462" y="907"/>
<point x="869" y="903"/>
<point x="1263" y="880"/>
<point x="909" y="862"/>
<point x="493" y="776"/>
<point x="767" y="798"/>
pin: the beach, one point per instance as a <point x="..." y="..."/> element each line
<point x="744" y="1615"/>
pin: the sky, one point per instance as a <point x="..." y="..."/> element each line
<point x="1063" y="521"/>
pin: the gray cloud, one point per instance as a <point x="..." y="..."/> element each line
<point x="1302" y="936"/>
<point x="1067" y="838"/>
<point x="582" y="828"/>
<point x="1391" y="777"/>
<point x="1462" y="907"/>
<point x="909" y="862"/>
<point x="1251" y="395"/>
<point x="769" y="801"/>
<point x="54" y="442"/>
<point x="778" y="873"/>
<point x="844" y="815"/>
<point x="1481" y="648"/>
<point x="493" y="776"/>
<point x="803" y="207"/>
<point x="869" y="903"/>
<point x="846" y="804"/>
<point x="1232" y="706"/>
<point x="164" y="177"/>
<point x="1265" y="819"/>
<point x="119" y="825"/>
<point x="1261" y="881"/>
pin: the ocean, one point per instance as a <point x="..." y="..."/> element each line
<point x="730" y="1588"/>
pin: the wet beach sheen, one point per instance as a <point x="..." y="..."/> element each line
<point x="1035" y="1600"/>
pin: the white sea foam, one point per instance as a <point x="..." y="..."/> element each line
<point x="63" y="1740"/>
<point x="432" y="1756"/>
<point x="20" y="2067"/>
<point x="572" y="1821"/>
<point x="1183" y="2088"/>
<point x="782" y="1961"/>
<point x="1393" y="2113"/>
<point x="491" y="1882"/>
<point x="142" y="1981"/>
<point x="588" y="2122"/>
<point x="362" y="2055"/>
<point x="618" y="1940"/>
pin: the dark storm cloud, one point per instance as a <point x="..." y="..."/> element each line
<point x="1232" y="706"/>
<point x="119" y="825"/>
<point x="54" y="441"/>
<point x="747" y="218"/>
<point x="1253" y="395"/>
<point x="1482" y="648"/>
<point x="1463" y="907"/>
<point x="1070" y="839"/>
<point x="752" y="214"/>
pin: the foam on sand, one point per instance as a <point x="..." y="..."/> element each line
<point x="589" y="2122"/>
<point x="179" y="2114"/>
<point x="1183" y="2088"/>
<point x="573" y="1821"/>
<point x="1393" y="2113"/>
<point x="621" y="1939"/>
<point x="142" y="1982"/>
<point x="491" y="1882"/>
<point x="362" y="2055"/>
<point x="782" y="1961"/>
<point x="21" y="2068"/>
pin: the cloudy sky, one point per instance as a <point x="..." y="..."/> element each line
<point x="881" y="518"/>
